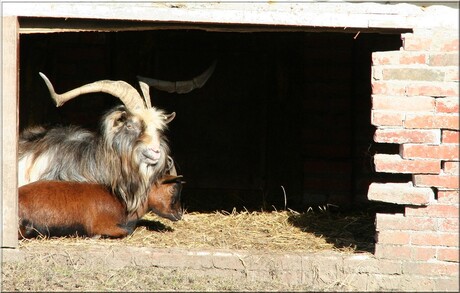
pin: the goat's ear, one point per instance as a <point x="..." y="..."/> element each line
<point x="175" y="179"/>
<point x="169" y="117"/>
<point x="114" y="119"/>
<point x="119" y="119"/>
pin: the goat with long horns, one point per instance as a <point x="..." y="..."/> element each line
<point x="128" y="156"/>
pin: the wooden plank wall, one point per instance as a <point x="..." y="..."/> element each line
<point x="9" y="123"/>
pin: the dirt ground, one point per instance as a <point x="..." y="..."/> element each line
<point x="48" y="264"/>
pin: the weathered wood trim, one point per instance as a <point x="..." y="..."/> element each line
<point x="9" y="134"/>
<point x="43" y="25"/>
<point x="280" y="14"/>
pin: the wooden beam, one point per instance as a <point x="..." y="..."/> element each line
<point x="260" y="15"/>
<point x="337" y="15"/>
<point x="43" y="25"/>
<point x="9" y="135"/>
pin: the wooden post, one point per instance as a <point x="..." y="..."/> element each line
<point x="9" y="135"/>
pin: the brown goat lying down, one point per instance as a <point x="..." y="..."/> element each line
<point x="64" y="208"/>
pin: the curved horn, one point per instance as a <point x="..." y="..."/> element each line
<point x="120" y="89"/>
<point x="145" y="92"/>
<point x="180" y="87"/>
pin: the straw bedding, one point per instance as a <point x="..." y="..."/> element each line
<point x="287" y="230"/>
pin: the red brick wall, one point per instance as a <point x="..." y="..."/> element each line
<point x="416" y="105"/>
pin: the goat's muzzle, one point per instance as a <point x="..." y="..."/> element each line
<point x="151" y="156"/>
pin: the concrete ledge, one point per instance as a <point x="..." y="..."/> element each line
<point x="326" y="270"/>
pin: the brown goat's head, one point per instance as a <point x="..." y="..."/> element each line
<point x="165" y="198"/>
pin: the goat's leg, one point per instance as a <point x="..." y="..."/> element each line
<point x="110" y="229"/>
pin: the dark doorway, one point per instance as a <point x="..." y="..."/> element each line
<point x="285" y="118"/>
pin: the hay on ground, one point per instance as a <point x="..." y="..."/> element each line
<point x="268" y="231"/>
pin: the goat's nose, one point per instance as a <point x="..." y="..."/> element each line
<point x="155" y="153"/>
<point x="154" y="149"/>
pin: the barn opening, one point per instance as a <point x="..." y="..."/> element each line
<point x="284" y="119"/>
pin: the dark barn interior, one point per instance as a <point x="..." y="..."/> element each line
<point x="285" y="118"/>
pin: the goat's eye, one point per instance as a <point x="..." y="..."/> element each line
<point x="175" y="200"/>
<point x="129" y="126"/>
